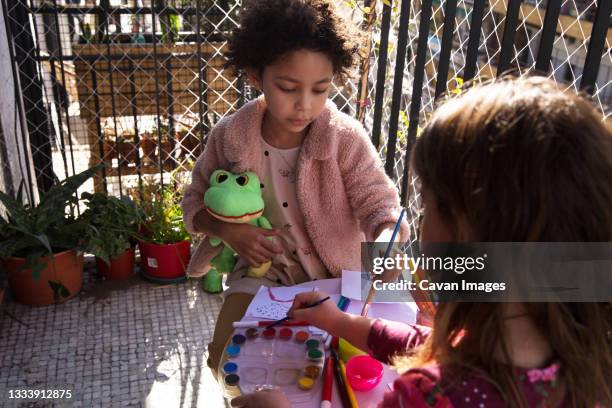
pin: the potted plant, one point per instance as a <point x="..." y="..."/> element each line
<point x="148" y="143"/>
<point x="128" y="153"/>
<point x="190" y="143"/>
<point x="165" y="243"/>
<point x="113" y="225"/>
<point x="40" y="244"/>
<point x="168" y="138"/>
<point x="108" y="147"/>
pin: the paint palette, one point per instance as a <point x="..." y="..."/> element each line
<point x="288" y="359"/>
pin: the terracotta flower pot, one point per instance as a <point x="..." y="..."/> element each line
<point x="164" y="261"/>
<point x="107" y="150"/>
<point x="190" y="145"/>
<point x="148" y="144"/>
<point x="121" y="267"/>
<point x="65" y="268"/>
<point x="167" y="153"/>
<point x="127" y="152"/>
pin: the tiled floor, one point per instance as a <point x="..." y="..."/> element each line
<point x="116" y="344"/>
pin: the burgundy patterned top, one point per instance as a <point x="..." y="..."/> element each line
<point x="436" y="386"/>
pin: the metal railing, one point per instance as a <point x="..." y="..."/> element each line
<point x="138" y="84"/>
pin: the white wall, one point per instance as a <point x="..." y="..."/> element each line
<point x="9" y="116"/>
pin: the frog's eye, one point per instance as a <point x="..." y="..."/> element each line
<point x="221" y="177"/>
<point x="242" y="180"/>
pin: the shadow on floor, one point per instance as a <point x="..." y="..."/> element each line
<point x="118" y="343"/>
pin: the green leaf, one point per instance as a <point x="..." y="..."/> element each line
<point x="33" y="261"/>
<point x="55" y="287"/>
<point x="15" y="209"/>
<point x="64" y="292"/>
<point x="34" y="231"/>
<point x="104" y="257"/>
<point x="59" y="290"/>
<point x="44" y="240"/>
<point x="111" y="223"/>
<point x="163" y="213"/>
<point x="8" y="248"/>
<point x="20" y="191"/>
<point x="58" y="195"/>
<point x="37" y="268"/>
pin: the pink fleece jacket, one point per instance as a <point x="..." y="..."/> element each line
<point x="342" y="189"/>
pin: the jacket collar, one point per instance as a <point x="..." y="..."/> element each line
<point x="242" y="139"/>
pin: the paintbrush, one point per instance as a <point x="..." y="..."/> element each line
<point x="366" y="304"/>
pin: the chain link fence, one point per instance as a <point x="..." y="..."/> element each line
<point x="447" y="43"/>
<point x="138" y="84"/>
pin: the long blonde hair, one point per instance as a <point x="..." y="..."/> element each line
<point x="520" y="160"/>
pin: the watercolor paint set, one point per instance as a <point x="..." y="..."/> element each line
<point x="286" y="358"/>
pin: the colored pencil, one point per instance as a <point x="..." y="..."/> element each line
<point x="328" y="383"/>
<point x="346" y="402"/>
<point x="366" y="304"/>
<point x="349" y="389"/>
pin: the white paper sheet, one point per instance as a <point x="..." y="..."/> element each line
<point x="273" y="303"/>
<point x="352" y="283"/>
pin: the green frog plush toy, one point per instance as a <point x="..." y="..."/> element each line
<point x="234" y="198"/>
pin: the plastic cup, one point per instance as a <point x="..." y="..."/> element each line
<point x="364" y="372"/>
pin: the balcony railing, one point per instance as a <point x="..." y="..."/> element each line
<point x="139" y="86"/>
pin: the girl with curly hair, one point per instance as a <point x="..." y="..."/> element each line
<point x="323" y="183"/>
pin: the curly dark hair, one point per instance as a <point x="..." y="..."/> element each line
<point x="271" y="28"/>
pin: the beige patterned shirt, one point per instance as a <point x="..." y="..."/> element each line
<point x="298" y="262"/>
